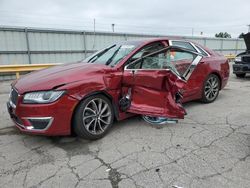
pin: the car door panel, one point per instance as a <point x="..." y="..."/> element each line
<point x="153" y="91"/>
<point x="153" y="79"/>
<point x="163" y="105"/>
<point x="192" y="90"/>
<point x="148" y="90"/>
<point x="147" y="99"/>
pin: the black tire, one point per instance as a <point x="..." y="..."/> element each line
<point x="242" y="75"/>
<point x="206" y="98"/>
<point x="86" y="114"/>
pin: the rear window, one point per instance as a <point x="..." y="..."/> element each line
<point x="182" y="44"/>
<point x="201" y="50"/>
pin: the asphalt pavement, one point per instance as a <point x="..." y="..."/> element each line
<point x="209" y="148"/>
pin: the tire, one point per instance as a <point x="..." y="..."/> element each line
<point x="242" y="75"/>
<point x="93" y="117"/>
<point x="211" y="88"/>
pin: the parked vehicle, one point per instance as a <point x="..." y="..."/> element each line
<point x="242" y="60"/>
<point x="152" y="78"/>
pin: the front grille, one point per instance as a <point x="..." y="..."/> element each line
<point x="246" y="59"/>
<point x="14" y="96"/>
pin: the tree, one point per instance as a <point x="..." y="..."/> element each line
<point x="241" y="35"/>
<point x="223" y="35"/>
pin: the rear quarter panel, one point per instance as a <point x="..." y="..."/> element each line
<point x="215" y="64"/>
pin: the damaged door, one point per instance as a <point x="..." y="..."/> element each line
<point x="153" y="83"/>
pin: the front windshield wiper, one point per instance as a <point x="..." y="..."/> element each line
<point x="114" y="54"/>
<point x="91" y="60"/>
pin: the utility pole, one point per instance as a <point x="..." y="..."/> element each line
<point x="113" y="27"/>
<point x="248" y="28"/>
<point x="94" y="36"/>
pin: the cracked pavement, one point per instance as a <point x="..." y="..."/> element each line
<point x="209" y="148"/>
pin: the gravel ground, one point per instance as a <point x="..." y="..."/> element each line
<point x="209" y="148"/>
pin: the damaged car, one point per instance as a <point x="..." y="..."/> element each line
<point x="150" y="77"/>
<point x="242" y="60"/>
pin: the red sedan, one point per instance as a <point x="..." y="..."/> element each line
<point x="150" y="77"/>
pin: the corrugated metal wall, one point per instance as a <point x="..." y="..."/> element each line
<point x="28" y="45"/>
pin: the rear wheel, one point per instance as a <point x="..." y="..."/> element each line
<point x="211" y="88"/>
<point x="93" y="117"/>
<point x="242" y="75"/>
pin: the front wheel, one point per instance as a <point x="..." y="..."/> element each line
<point x="93" y="117"/>
<point x="211" y="88"/>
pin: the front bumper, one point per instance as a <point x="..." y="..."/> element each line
<point x="241" y="68"/>
<point x="43" y="119"/>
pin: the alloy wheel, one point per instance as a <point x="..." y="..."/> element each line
<point x="97" y="116"/>
<point x="211" y="88"/>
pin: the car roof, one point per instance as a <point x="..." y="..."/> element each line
<point x="144" y="41"/>
<point x="149" y="40"/>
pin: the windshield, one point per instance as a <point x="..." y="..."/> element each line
<point x="111" y="55"/>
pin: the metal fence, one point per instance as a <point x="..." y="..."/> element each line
<point x="30" y="45"/>
<point x="37" y="46"/>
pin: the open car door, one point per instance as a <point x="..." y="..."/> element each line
<point x="153" y="83"/>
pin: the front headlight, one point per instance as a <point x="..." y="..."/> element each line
<point x="238" y="59"/>
<point x="42" y="97"/>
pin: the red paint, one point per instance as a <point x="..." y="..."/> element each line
<point x="62" y="111"/>
<point x="153" y="91"/>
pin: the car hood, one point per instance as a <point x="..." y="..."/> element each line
<point x="247" y="40"/>
<point x="57" y="76"/>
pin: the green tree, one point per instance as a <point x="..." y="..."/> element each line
<point x="241" y="35"/>
<point x="223" y="35"/>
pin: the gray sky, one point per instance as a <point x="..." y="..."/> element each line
<point x="168" y="17"/>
